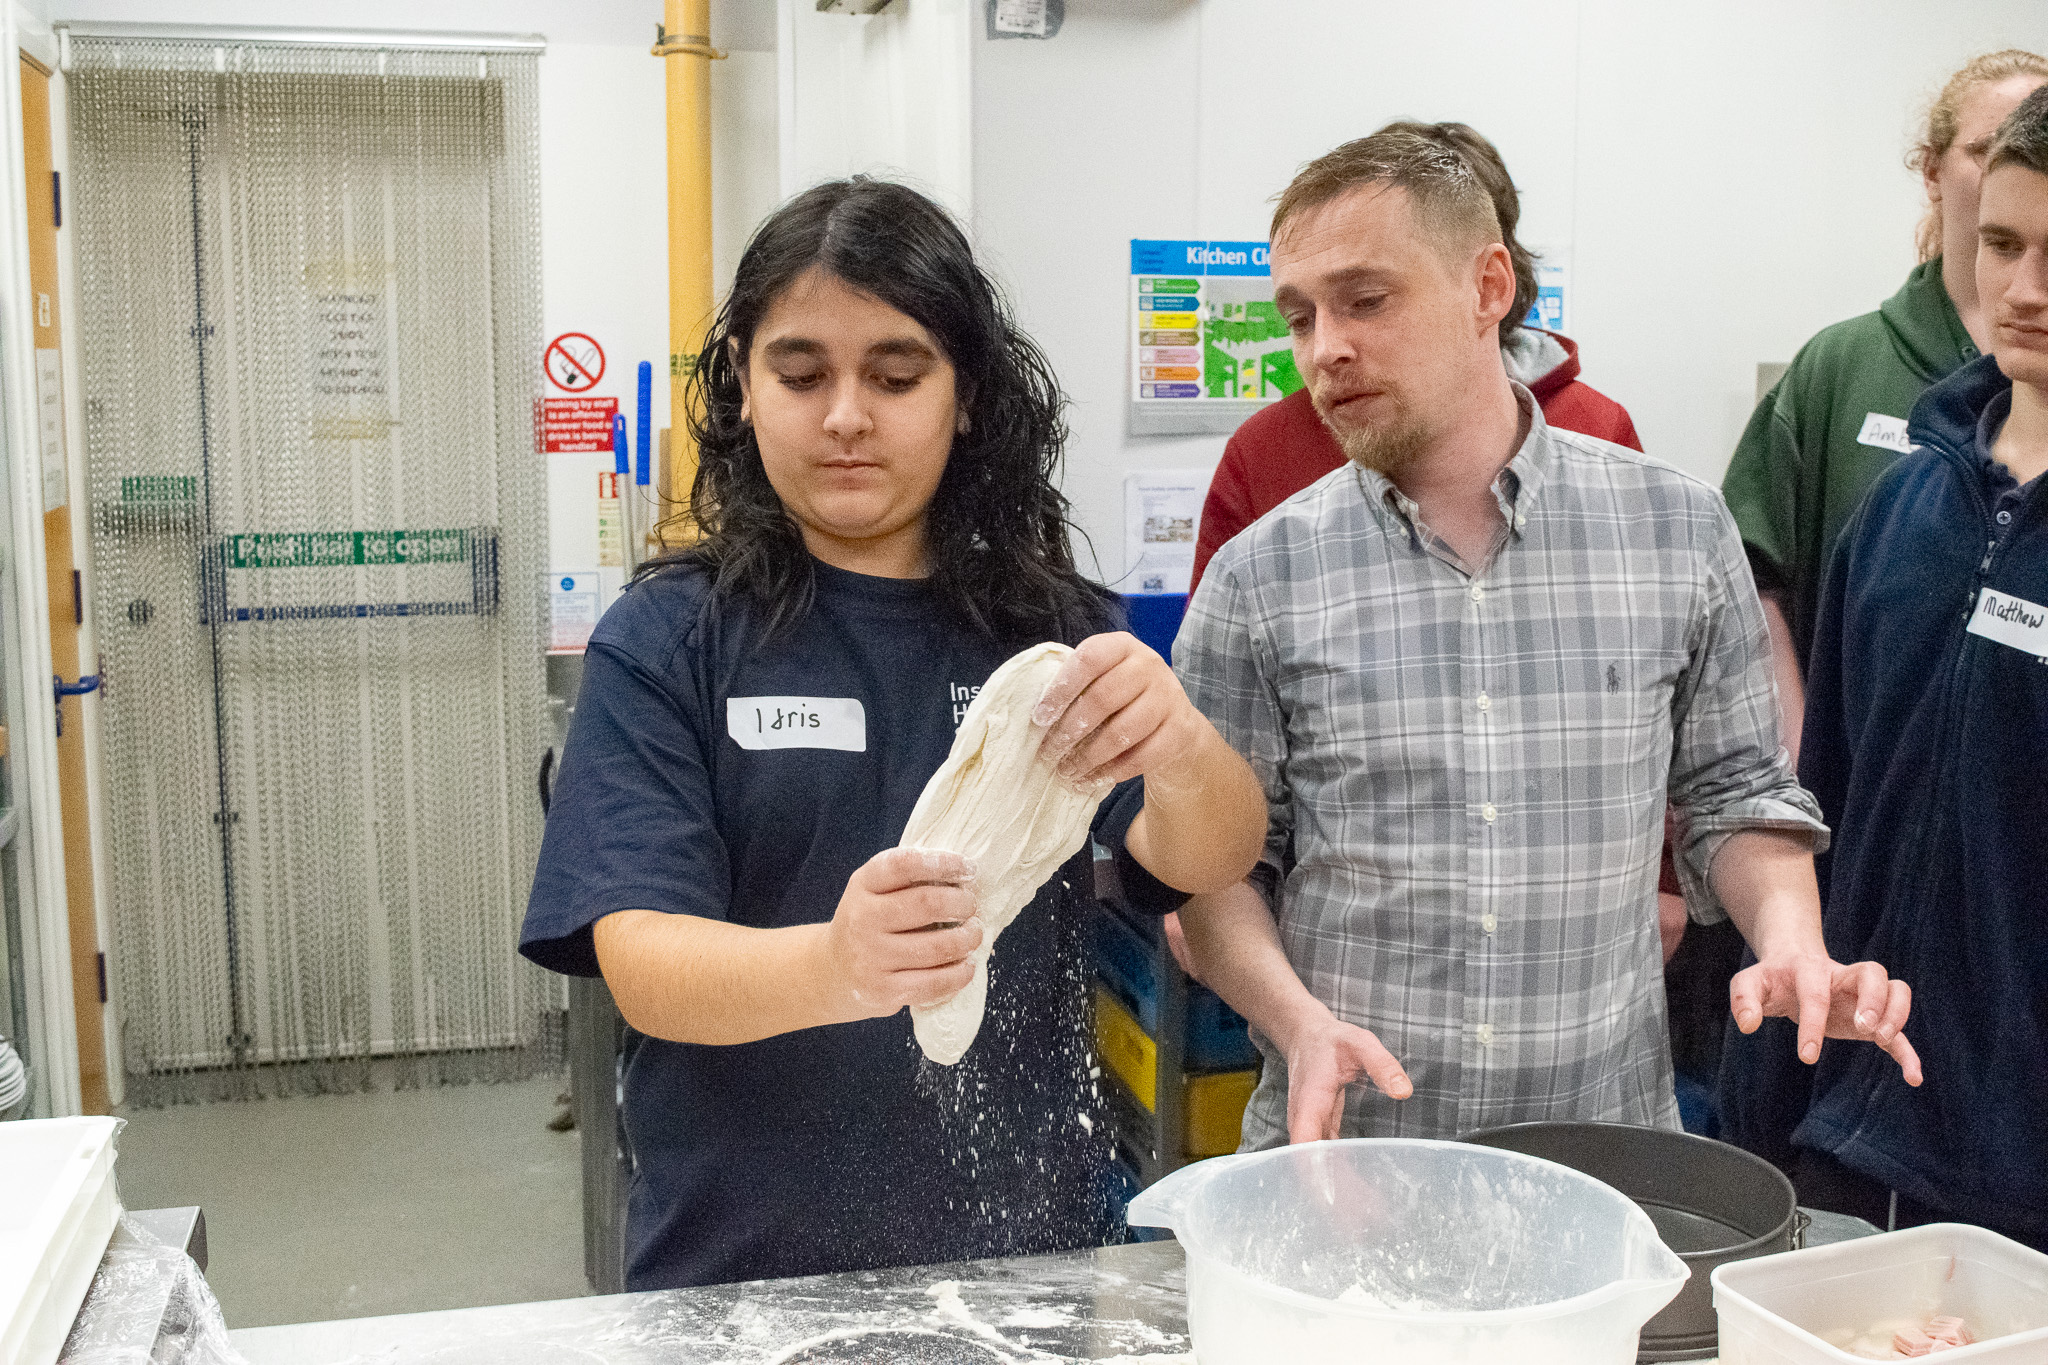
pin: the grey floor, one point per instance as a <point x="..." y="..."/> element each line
<point x="345" y="1206"/>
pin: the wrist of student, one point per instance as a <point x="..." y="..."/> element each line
<point x="821" y="978"/>
<point x="1182" y="780"/>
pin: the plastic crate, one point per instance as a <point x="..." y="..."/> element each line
<point x="1779" y="1310"/>
<point x="1217" y="1038"/>
<point x="1155" y="617"/>
<point x="58" y="1208"/>
<point x="1215" y="1103"/>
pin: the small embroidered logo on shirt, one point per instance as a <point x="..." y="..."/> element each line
<point x="1613" y="677"/>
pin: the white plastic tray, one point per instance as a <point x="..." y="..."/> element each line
<point x="57" y="1210"/>
<point x="1773" y="1309"/>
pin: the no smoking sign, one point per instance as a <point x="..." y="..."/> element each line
<point x="574" y="362"/>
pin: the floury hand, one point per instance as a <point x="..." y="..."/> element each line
<point x="905" y="931"/>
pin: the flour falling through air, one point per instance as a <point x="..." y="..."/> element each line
<point x="1001" y="806"/>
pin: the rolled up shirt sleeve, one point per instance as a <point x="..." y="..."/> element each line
<point x="1226" y="671"/>
<point x="1729" y="769"/>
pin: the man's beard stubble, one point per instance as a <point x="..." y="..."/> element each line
<point x="1387" y="447"/>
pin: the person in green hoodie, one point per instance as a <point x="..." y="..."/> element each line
<point x="1818" y="440"/>
<point x="1838" y="416"/>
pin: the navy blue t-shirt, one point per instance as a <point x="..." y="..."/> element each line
<point x="835" y="1148"/>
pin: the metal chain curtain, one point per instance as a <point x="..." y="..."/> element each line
<point x="309" y="282"/>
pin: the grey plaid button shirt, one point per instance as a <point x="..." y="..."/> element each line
<point x="1466" y="772"/>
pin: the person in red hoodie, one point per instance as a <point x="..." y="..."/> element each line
<point x="1282" y="450"/>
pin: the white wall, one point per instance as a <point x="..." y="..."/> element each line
<point x="1083" y="142"/>
<point x="1721" y="181"/>
<point x="889" y="94"/>
<point x="604" y="228"/>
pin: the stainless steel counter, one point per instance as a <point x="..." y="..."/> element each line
<point x="1124" y="1304"/>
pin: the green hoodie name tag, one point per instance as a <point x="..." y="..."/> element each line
<point x="1885" y="432"/>
<point x="2012" y="621"/>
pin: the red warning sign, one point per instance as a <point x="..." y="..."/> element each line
<point x="572" y="426"/>
<point x="574" y="362"/>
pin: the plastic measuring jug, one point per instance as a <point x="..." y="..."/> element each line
<point x="1399" y="1251"/>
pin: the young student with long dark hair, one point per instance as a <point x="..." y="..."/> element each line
<point x="879" y="528"/>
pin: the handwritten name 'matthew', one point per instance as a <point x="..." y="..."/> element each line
<point x="2006" y="609"/>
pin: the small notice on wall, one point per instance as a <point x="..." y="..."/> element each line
<point x="1162" y="511"/>
<point x="573" y="426"/>
<point x="1547" y="311"/>
<point x="611" y="522"/>
<point x="1207" y="346"/>
<point x="1020" y="16"/>
<point x="574" y="361"/>
<point x="350" y="364"/>
<point x="575" y="601"/>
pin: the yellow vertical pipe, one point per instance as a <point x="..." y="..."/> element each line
<point x="685" y="47"/>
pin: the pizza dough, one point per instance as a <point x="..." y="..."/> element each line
<point x="998" y="804"/>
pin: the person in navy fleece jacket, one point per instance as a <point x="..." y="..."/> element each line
<point x="1926" y="742"/>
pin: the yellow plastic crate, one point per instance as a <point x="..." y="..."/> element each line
<point x="1215" y="1103"/>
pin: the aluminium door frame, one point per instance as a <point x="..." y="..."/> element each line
<point x="25" y="627"/>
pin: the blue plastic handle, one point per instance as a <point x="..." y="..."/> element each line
<point x="87" y="682"/>
<point x="619" y="442"/>
<point x="644" y="416"/>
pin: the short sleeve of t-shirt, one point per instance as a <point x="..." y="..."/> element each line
<point x="631" y="825"/>
<point x="1141" y="890"/>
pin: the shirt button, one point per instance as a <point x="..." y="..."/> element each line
<point x="1488" y="923"/>
<point x="1487" y="812"/>
<point x="2005" y="518"/>
<point x="1521" y="520"/>
<point x="1477" y="592"/>
<point x="1486" y="1035"/>
<point x="1485" y="702"/>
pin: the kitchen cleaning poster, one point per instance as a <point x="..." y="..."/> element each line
<point x="1207" y="341"/>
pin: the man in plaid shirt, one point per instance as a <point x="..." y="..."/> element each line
<point x="1469" y="668"/>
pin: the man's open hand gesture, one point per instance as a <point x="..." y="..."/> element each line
<point x="1830" y="1000"/>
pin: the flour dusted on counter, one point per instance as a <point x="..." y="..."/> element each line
<point x="1001" y="806"/>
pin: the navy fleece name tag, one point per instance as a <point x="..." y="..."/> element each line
<point x="797" y="723"/>
<point x="2012" y="621"/>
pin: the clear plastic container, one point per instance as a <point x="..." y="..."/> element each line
<point x="1785" y="1308"/>
<point x="57" y="1210"/>
<point x="1406" y="1252"/>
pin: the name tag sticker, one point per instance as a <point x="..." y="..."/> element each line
<point x="1884" y="432"/>
<point x="2011" y="621"/>
<point x="797" y="723"/>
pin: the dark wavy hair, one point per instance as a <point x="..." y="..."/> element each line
<point x="996" y="530"/>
